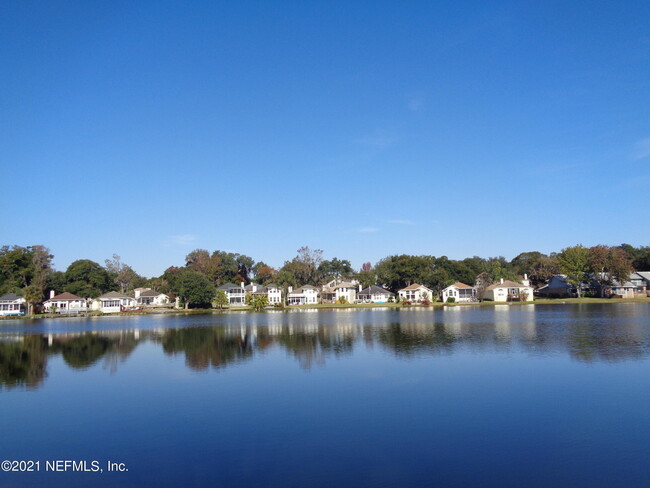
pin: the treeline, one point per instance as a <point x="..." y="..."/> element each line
<point x="28" y="271"/>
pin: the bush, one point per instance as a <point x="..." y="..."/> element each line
<point x="451" y="299"/>
<point x="426" y="302"/>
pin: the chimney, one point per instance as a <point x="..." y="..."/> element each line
<point x="137" y="293"/>
<point x="254" y="287"/>
<point x="51" y="294"/>
<point x="525" y="282"/>
<point x="360" y="288"/>
<point x="502" y="281"/>
<point x="290" y="289"/>
<point x="242" y="285"/>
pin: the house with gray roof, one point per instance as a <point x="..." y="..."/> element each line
<point x="235" y="293"/>
<point x="12" y="304"/>
<point x="65" y="303"/>
<point x="305" y="295"/>
<point x="146" y="297"/>
<point x="375" y="294"/>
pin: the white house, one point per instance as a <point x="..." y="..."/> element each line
<point x="65" y="303"/>
<point x="12" y="304"/>
<point x="236" y="294"/>
<point x="112" y="302"/>
<point x="375" y="294"/>
<point x="415" y="293"/>
<point x="274" y="293"/>
<point x="305" y="295"/>
<point x="509" y="291"/>
<point x="149" y="298"/>
<point x="460" y="292"/>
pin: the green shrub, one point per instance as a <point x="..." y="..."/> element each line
<point x="451" y="299"/>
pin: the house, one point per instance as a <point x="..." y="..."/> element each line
<point x="641" y="281"/>
<point x="460" y="292"/>
<point x="336" y="289"/>
<point x="12" y="304"/>
<point x="236" y="294"/>
<point x="415" y="293"/>
<point x="274" y="293"/>
<point x="146" y="297"/>
<point x="557" y="287"/>
<point x="509" y="291"/>
<point x="112" y="302"/>
<point x="305" y="295"/>
<point x="65" y="303"/>
<point x="615" y="289"/>
<point x="375" y="294"/>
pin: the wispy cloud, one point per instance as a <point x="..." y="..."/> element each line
<point x="368" y="230"/>
<point x="415" y="104"/>
<point x="642" y="149"/>
<point x="379" y="139"/>
<point x="180" y="240"/>
<point x="400" y="222"/>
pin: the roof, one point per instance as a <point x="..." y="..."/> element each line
<point x="507" y="284"/>
<point x="302" y="289"/>
<point x="65" y="296"/>
<point x="463" y="286"/>
<point x="375" y="290"/>
<point x="112" y="294"/>
<point x="345" y="284"/>
<point x="414" y="286"/>
<point x="10" y="297"/>
<point x="644" y="274"/>
<point x="228" y="286"/>
<point x="150" y="293"/>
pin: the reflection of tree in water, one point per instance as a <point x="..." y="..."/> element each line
<point x="83" y="351"/>
<point x="121" y="348"/>
<point x="409" y="339"/>
<point x="205" y="347"/>
<point x="23" y="363"/>
<point x="592" y="342"/>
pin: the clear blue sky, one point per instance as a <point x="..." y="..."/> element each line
<point x="149" y="129"/>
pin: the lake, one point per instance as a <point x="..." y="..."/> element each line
<point x="546" y="395"/>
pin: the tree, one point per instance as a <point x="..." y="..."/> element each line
<point x="574" y="263"/>
<point x="122" y="274"/>
<point x="335" y="269"/>
<point x="304" y="267"/>
<point x="87" y="278"/>
<point x="194" y="289"/>
<point x="220" y="300"/>
<point x="263" y="273"/>
<point x="258" y="302"/>
<point x="608" y="264"/>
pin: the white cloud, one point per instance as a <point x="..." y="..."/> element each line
<point x="415" y="104"/>
<point x="400" y="222"/>
<point x="367" y="230"/>
<point x="180" y="240"/>
<point x="642" y="149"/>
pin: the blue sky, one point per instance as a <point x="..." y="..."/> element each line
<point x="365" y="129"/>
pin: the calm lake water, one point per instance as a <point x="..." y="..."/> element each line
<point x="493" y="396"/>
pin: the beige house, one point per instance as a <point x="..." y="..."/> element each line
<point x="112" y="302"/>
<point x="509" y="291"/>
<point x="415" y="293"/>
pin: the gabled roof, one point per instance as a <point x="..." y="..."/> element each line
<point x="460" y="285"/>
<point x="302" y="289"/>
<point x="10" y="297"/>
<point x="644" y="274"/>
<point x="507" y="284"/>
<point x="375" y="290"/>
<point x="65" y="296"/>
<point x="345" y="284"/>
<point x="414" y="286"/>
<point x="151" y="293"/>
<point x="228" y="286"/>
<point x="111" y="295"/>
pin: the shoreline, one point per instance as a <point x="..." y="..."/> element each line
<point x="331" y="306"/>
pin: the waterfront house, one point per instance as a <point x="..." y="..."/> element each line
<point x="305" y="295"/>
<point x="415" y="293"/>
<point x="112" y="302"/>
<point x="274" y="293"/>
<point x="336" y="289"/>
<point x="236" y="294"/>
<point x="641" y="282"/>
<point x="65" y="303"/>
<point x="509" y="291"/>
<point x="12" y="304"/>
<point x="557" y="287"/>
<point x="146" y="297"/>
<point x="375" y="294"/>
<point x="460" y="292"/>
<point x="615" y="289"/>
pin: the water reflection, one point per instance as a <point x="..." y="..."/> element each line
<point x="586" y="334"/>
